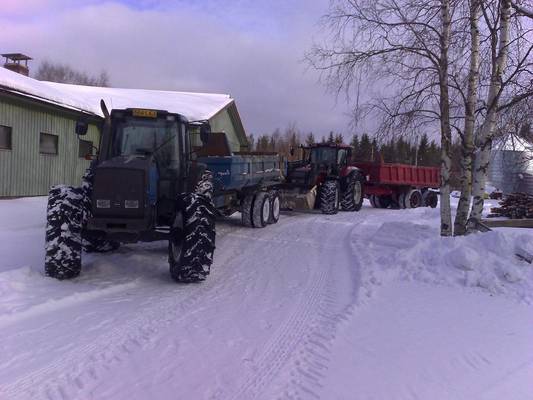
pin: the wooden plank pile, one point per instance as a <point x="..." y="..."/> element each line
<point x="514" y="206"/>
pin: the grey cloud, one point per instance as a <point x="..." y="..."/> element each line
<point x="184" y="48"/>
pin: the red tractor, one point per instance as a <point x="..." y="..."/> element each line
<point x="324" y="179"/>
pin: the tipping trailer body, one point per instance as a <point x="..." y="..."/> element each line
<point x="237" y="175"/>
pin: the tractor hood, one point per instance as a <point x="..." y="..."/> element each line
<point x="123" y="188"/>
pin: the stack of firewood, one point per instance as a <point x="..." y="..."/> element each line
<point x="514" y="206"/>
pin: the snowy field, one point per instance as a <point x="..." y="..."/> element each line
<point x="368" y="305"/>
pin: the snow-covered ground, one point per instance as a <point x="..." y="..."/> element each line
<point x="367" y="305"/>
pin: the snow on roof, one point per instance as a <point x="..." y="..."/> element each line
<point x="194" y="106"/>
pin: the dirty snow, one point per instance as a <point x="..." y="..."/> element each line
<point x="367" y="305"/>
<point x="194" y="106"/>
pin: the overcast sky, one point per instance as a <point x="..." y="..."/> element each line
<point x="252" y="50"/>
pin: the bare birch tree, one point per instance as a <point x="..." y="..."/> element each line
<point x="467" y="137"/>
<point x="507" y="82"/>
<point x="401" y="44"/>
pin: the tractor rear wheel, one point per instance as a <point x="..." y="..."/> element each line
<point x="329" y="197"/>
<point x="192" y="236"/>
<point x="261" y="210"/>
<point x="352" y="198"/>
<point x="275" y="206"/>
<point x="64" y="221"/>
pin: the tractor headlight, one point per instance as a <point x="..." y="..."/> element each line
<point x="131" y="203"/>
<point x="103" y="203"/>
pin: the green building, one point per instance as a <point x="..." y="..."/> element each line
<point x="38" y="146"/>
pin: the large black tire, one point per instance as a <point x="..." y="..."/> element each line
<point x="64" y="221"/>
<point x="275" y="206"/>
<point x="192" y="236"/>
<point x="329" y="197"/>
<point x="413" y="199"/>
<point x="246" y="210"/>
<point x="261" y="210"/>
<point x="352" y="198"/>
<point x="372" y="199"/>
<point x="430" y="199"/>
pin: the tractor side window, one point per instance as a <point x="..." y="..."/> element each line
<point x="342" y="156"/>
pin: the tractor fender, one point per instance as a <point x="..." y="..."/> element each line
<point x="196" y="170"/>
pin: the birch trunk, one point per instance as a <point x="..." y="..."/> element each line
<point x="446" y="134"/>
<point x="468" y="135"/>
<point x="487" y="129"/>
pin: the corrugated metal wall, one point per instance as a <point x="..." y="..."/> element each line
<point x="26" y="172"/>
<point x="511" y="171"/>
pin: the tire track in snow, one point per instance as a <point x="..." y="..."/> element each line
<point x="67" y="376"/>
<point x="304" y="339"/>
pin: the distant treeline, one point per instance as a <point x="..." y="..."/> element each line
<point x="365" y="148"/>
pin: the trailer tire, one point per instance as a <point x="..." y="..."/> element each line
<point x="383" y="201"/>
<point x="372" y="199"/>
<point x="352" y="198"/>
<point x="261" y="210"/>
<point x="192" y="239"/>
<point x="401" y="200"/>
<point x="275" y="206"/>
<point x="246" y="210"/>
<point x="413" y="199"/>
<point x="329" y="197"/>
<point x="63" y="232"/>
<point x="430" y="199"/>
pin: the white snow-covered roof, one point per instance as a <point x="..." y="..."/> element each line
<point x="194" y="106"/>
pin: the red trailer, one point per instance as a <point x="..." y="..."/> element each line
<point x="400" y="185"/>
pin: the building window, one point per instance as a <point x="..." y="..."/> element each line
<point x="48" y="144"/>
<point x="85" y="148"/>
<point x="5" y="137"/>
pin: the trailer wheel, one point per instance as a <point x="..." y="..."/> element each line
<point x="383" y="201"/>
<point x="63" y="232"/>
<point x="261" y="210"/>
<point x="192" y="239"/>
<point x="275" y="206"/>
<point x="246" y="210"/>
<point x="352" y="198"/>
<point x="413" y="199"/>
<point x="329" y="197"/>
<point x="430" y="199"/>
<point x="372" y="199"/>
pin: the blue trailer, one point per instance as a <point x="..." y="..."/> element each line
<point x="245" y="182"/>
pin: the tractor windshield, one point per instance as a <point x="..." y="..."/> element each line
<point x="324" y="155"/>
<point x="142" y="136"/>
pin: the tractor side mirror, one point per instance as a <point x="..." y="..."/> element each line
<point x="81" y="128"/>
<point x="205" y="130"/>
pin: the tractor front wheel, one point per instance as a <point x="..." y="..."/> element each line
<point x="64" y="222"/>
<point x="329" y="197"/>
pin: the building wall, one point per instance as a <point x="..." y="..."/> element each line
<point x="510" y="171"/>
<point x="26" y="172"/>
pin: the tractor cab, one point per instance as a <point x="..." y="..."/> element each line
<point x="318" y="161"/>
<point x="144" y="163"/>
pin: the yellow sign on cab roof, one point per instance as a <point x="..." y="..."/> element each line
<point x="139" y="112"/>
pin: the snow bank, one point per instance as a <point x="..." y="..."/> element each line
<point x="408" y="251"/>
<point x="194" y="106"/>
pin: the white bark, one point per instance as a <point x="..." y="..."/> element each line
<point x="468" y="135"/>
<point x="446" y="228"/>
<point x="487" y="128"/>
